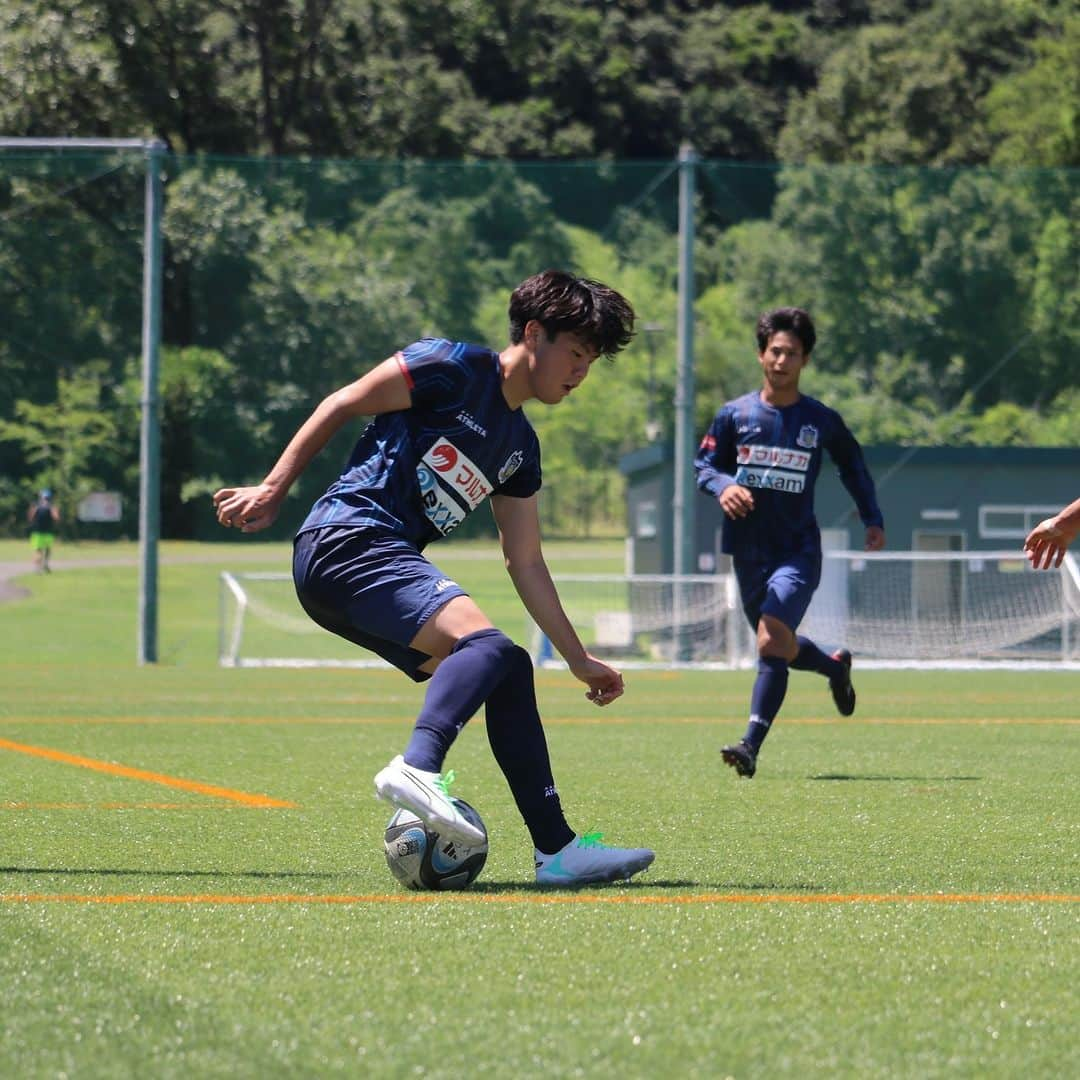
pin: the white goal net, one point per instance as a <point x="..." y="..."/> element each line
<point x="947" y="608"/>
<point x="904" y="608"/>
<point x="654" y="620"/>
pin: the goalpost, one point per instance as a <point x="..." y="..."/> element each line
<point x="153" y="151"/>
<point x="893" y="609"/>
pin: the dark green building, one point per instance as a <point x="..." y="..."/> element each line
<point x="934" y="498"/>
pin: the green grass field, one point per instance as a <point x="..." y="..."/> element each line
<point x="895" y="895"/>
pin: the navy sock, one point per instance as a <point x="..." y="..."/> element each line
<point x="460" y="685"/>
<point x="811" y="658"/>
<point x="770" y="686"/>
<point x="517" y="741"/>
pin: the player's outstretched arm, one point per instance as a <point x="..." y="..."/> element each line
<point x="1047" y="543"/>
<point x="519" y="533"/>
<point x="250" y="509"/>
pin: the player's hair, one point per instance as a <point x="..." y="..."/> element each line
<point x="560" y="302"/>
<point x="792" y="319"/>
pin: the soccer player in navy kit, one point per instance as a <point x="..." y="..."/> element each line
<point x="760" y="459"/>
<point x="448" y="432"/>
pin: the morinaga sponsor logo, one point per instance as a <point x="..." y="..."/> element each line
<point x="772" y="468"/>
<point x="780" y="457"/>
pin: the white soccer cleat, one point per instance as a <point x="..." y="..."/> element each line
<point x="424" y="794"/>
<point x="585" y="860"/>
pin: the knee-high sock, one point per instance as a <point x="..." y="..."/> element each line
<point x="460" y="685"/>
<point x="517" y="741"/>
<point x="811" y="658"/>
<point x="770" y="686"/>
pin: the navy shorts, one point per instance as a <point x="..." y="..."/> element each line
<point x="781" y="589"/>
<point x="371" y="588"/>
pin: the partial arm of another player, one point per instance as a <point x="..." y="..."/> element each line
<point x="519" y="533"/>
<point x="1047" y="542"/>
<point x="383" y="389"/>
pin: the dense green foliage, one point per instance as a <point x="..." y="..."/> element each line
<point x="947" y="296"/>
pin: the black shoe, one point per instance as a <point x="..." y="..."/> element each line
<point x="843" y="693"/>
<point x="741" y="758"/>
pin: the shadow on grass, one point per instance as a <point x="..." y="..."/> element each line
<point x="501" y="887"/>
<point x="893" y="779"/>
<point x="642" y="888"/>
<point x="70" y="871"/>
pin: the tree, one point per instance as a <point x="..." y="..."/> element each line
<point x="71" y="443"/>
<point x="912" y="92"/>
<point x="1034" y="114"/>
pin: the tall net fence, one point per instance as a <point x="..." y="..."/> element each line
<point x="938" y="293"/>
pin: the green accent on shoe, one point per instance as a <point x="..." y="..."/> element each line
<point x="591" y="839"/>
<point x="443" y="782"/>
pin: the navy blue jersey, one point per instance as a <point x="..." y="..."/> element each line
<point x="418" y="472"/>
<point x="777" y="454"/>
<point x="43" y="520"/>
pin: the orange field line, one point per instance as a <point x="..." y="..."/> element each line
<point x="242" y="797"/>
<point x="532" y="898"/>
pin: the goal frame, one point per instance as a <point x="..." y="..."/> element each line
<point x="740" y="646"/>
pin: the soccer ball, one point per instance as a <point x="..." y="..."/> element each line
<point x="421" y="859"/>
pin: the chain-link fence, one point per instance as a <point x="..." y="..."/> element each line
<point x="947" y="302"/>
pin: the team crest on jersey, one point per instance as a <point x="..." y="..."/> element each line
<point x="808" y="436"/>
<point x="510" y="466"/>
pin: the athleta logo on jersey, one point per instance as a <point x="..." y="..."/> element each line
<point x="471" y="424"/>
<point x="777" y="468"/>
<point x="448" y="479"/>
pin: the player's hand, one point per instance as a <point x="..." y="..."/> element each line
<point x="875" y="538"/>
<point x="1046" y="544"/>
<point x="605" y="683"/>
<point x="736" y="501"/>
<point x="248" y="509"/>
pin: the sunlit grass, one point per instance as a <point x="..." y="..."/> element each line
<point x="894" y="895"/>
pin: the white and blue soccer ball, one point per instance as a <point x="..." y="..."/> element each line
<point x="420" y="859"/>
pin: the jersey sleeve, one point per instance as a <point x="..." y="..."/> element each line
<point x="845" y="451"/>
<point x="715" y="455"/>
<point x="434" y="370"/>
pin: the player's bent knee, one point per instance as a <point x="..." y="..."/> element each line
<point x="493" y="641"/>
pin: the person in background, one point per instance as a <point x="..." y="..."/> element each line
<point x="43" y="517"/>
